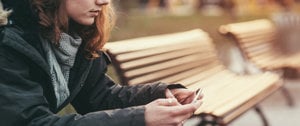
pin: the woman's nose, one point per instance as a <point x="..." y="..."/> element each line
<point x="102" y="2"/>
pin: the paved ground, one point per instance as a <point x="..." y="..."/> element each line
<point x="275" y="109"/>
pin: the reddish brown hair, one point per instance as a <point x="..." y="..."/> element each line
<point x="54" y="21"/>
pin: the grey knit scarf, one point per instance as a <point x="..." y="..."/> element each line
<point x="61" y="59"/>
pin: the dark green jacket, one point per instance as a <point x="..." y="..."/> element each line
<point x="27" y="97"/>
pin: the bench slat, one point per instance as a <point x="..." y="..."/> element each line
<point x="153" y="51"/>
<point x="156" y="41"/>
<point x="162" y="57"/>
<point x="165" y="65"/>
<point x="201" y="72"/>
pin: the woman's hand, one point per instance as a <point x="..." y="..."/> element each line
<point x="183" y="95"/>
<point x="169" y="112"/>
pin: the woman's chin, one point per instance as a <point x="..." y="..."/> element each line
<point x="86" y="22"/>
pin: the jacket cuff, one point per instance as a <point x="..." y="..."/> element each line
<point x="139" y="116"/>
<point x="160" y="91"/>
<point x="174" y="86"/>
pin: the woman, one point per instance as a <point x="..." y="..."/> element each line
<point x="50" y="56"/>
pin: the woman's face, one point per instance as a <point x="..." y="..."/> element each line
<point x="84" y="11"/>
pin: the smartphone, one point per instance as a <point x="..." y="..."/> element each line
<point x="197" y="95"/>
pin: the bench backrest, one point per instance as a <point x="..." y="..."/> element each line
<point x="168" y="58"/>
<point x="254" y="38"/>
<point x="288" y="25"/>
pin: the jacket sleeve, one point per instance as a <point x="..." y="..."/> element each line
<point x="22" y="102"/>
<point x="103" y="93"/>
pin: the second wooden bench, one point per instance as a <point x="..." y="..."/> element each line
<point x="258" y="42"/>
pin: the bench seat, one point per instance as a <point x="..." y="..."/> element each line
<point x="190" y="58"/>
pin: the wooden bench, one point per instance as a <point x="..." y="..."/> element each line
<point x="190" y="58"/>
<point x="258" y="41"/>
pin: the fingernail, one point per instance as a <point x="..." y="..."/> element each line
<point x="170" y="100"/>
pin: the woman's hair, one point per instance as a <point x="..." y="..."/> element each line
<point x="54" y="21"/>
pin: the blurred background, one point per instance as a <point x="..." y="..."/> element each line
<point x="150" y="17"/>
<point x="139" y="18"/>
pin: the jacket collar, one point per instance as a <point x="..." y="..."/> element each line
<point x="78" y="74"/>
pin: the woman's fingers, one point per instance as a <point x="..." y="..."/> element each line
<point x="188" y="99"/>
<point x="183" y="112"/>
<point x="168" y="102"/>
<point x="184" y="96"/>
<point x="170" y="111"/>
<point x="169" y="94"/>
<point x="187" y="108"/>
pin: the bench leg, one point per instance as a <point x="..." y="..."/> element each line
<point x="287" y="95"/>
<point x="288" y="73"/>
<point x="209" y="120"/>
<point x="262" y="115"/>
